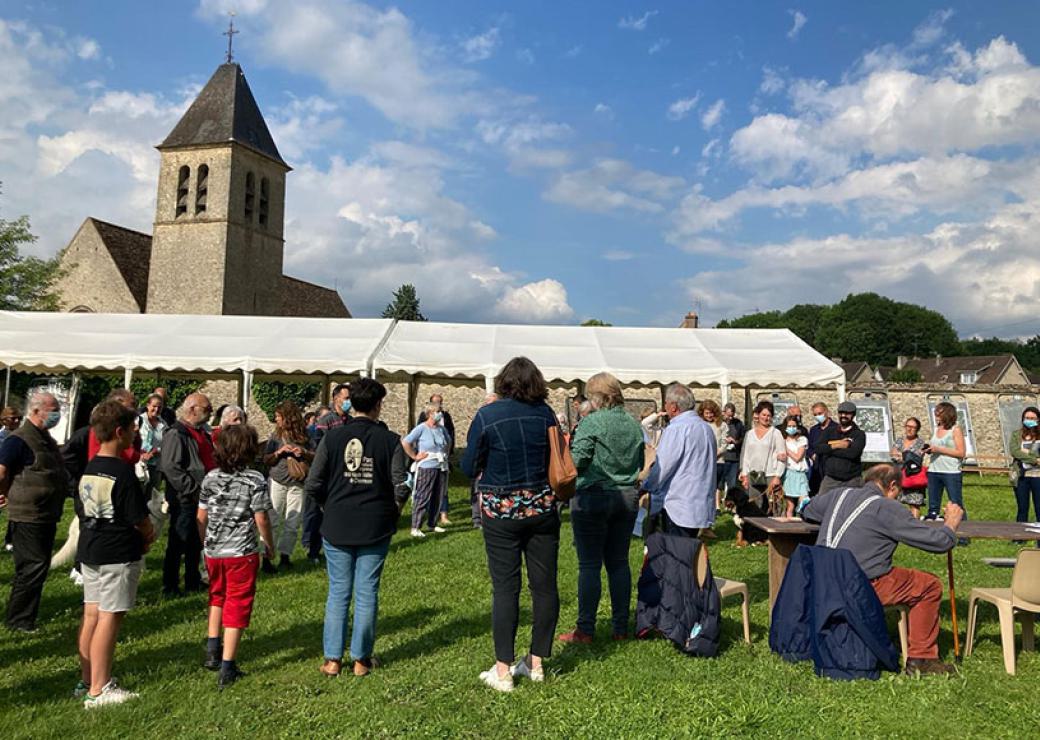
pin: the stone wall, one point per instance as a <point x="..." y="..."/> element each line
<point x="463" y="400"/>
<point x="91" y="279"/>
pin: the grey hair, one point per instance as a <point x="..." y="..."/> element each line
<point x="432" y="408"/>
<point x="39" y="400"/>
<point x="680" y="395"/>
<point x="232" y="409"/>
<point x="585" y="408"/>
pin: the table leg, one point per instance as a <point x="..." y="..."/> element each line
<point x="953" y="608"/>
<point x="781" y="547"/>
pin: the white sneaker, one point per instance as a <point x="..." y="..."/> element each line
<point x="418" y="533"/>
<point x="111" y="694"/>
<point x="76" y="577"/>
<point x="439" y="530"/>
<point x="522" y="670"/>
<point x="498" y="683"/>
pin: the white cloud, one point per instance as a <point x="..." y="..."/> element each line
<point x="711" y="149"/>
<point x="798" y="20"/>
<point x="613" y="185"/>
<point x="356" y="49"/>
<point x="681" y="108"/>
<point x="573" y="52"/>
<point x="977" y="275"/>
<point x="772" y="82"/>
<point x="633" y="23"/>
<point x="658" y="46"/>
<point x="480" y="47"/>
<point x="88" y="49"/>
<point x="711" y="117"/>
<point x="525" y="141"/>
<point x="675" y="150"/>
<point x="525" y="56"/>
<point x="541" y="302"/>
<point x="602" y="109"/>
<point x="618" y="255"/>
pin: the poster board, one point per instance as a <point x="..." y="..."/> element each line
<point x="66" y="391"/>
<point x="874" y="417"/>
<point x="781" y="402"/>
<point x="963" y="421"/>
<point x="1009" y="409"/>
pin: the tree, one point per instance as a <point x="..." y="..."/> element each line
<point x="405" y="306"/>
<point x="905" y="375"/>
<point x="1026" y="352"/>
<point x="26" y="283"/>
<point x="595" y="322"/>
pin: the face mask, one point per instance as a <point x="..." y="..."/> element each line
<point x="1029" y="423"/>
<point x="820" y="418"/>
<point x="53" y="417"/>
<point x="438" y="417"/>
<point x="792" y="430"/>
<point x="345" y="406"/>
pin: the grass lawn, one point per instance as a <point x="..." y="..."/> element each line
<point x="434" y="638"/>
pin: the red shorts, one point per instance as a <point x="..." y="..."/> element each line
<point x="232" y="586"/>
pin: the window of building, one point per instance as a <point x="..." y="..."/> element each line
<point x="264" y="189"/>
<point x="969" y="378"/>
<point x="201" y="189"/>
<point x="250" y="196"/>
<point x="182" y="190"/>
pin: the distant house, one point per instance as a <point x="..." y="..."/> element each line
<point x="858" y="373"/>
<point x="982" y="370"/>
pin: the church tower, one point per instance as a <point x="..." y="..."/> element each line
<point x="217" y="246"/>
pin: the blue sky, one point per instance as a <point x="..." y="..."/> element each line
<point x="546" y="162"/>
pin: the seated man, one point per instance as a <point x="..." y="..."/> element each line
<point x="872" y="536"/>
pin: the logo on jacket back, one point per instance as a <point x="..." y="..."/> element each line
<point x="358" y="467"/>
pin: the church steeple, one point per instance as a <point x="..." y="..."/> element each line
<point x="224" y="111"/>
<point x="219" y="215"/>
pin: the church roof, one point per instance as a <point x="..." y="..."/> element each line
<point x="132" y="252"/>
<point x="300" y="298"/>
<point x="224" y="111"/>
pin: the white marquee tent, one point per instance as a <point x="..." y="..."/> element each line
<point x="64" y="342"/>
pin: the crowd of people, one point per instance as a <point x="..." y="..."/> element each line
<point x="339" y="478"/>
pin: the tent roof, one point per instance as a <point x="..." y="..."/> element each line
<point x="266" y="344"/>
<point x="284" y="344"/>
<point x="634" y="355"/>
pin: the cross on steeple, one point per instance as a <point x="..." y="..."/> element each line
<point x="230" y="33"/>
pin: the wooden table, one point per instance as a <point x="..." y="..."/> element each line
<point x="784" y="537"/>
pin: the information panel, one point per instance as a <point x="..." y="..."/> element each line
<point x="874" y="417"/>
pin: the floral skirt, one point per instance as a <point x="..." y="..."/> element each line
<point x="516" y="504"/>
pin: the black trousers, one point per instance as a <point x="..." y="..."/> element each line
<point x="33" y="544"/>
<point x="183" y="544"/>
<point x="507" y="542"/>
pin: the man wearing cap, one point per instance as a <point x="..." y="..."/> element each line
<point x="840" y="450"/>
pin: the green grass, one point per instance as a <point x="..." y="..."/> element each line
<point x="434" y="638"/>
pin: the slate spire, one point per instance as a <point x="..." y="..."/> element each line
<point x="224" y="111"/>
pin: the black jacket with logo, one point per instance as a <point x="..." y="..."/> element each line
<point x="353" y="479"/>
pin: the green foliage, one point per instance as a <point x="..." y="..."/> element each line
<point x="177" y="389"/>
<point x="906" y="375"/>
<point x="26" y="283"/>
<point x="269" y="393"/>
<point x="863" y="327"/>
<point x="405" y="306"/>
<point x="434" y="637"/>
<point x="595" y="322"/>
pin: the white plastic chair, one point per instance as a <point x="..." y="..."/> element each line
<point x="1021" y="600"/>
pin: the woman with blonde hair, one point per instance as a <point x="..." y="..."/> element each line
<point x="608" y="452"/>
<point x="946" y="450"/>
<point x="712" y="413"/>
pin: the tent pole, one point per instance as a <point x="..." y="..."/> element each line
<point x="724" y="393"/>
<point x="7" y="387"/>
<point x="841" y="392"/>
<point x="489" y="384"/>
<point x="413" y="391"/>
<point x="128" y="375"/>
<point x="247" y="388"/>
<point x="325" y="390"/>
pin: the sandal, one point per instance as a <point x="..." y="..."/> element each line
<point x="331" y="668"/>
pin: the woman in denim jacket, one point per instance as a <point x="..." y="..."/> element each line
<point x="508" y="448"/>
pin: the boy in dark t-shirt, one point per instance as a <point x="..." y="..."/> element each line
<point x="115" y="532"/>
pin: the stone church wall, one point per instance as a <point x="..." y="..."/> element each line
<point x="92" y="280"/>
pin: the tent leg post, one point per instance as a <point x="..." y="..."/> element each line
<point x="128" y="375"/>
<point x="413" y="392"/>
<point x="724" y="393"/>
<point x="841" y="392"/>
<point x="489" y="384"/>
<point x="7" y="388"/>
<point x="247" y="387"/>
<point x="324" y="398"/>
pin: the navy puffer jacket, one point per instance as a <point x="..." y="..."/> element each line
<point x="671" y="602"/>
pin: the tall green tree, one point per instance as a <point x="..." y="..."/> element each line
<point x="1027" y="352"/>
<point x="26" y="283"/>
<point x="404" y="306"/>
<point x="595" y="322"/>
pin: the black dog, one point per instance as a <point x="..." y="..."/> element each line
<point x="743" y="506"/>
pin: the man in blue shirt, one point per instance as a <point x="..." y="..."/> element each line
<point x="681" y="482"/>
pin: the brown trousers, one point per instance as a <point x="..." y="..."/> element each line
<point x="922" y="592"/>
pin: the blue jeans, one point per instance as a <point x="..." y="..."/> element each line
<point x="953" y="483"/>
<point x="602" y="522"/>
<point x="1023" y="489"/>
<point x="730" y="472"/>
<point x="353" y="571"/>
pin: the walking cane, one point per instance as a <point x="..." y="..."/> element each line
<point x="953" y="607"/>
